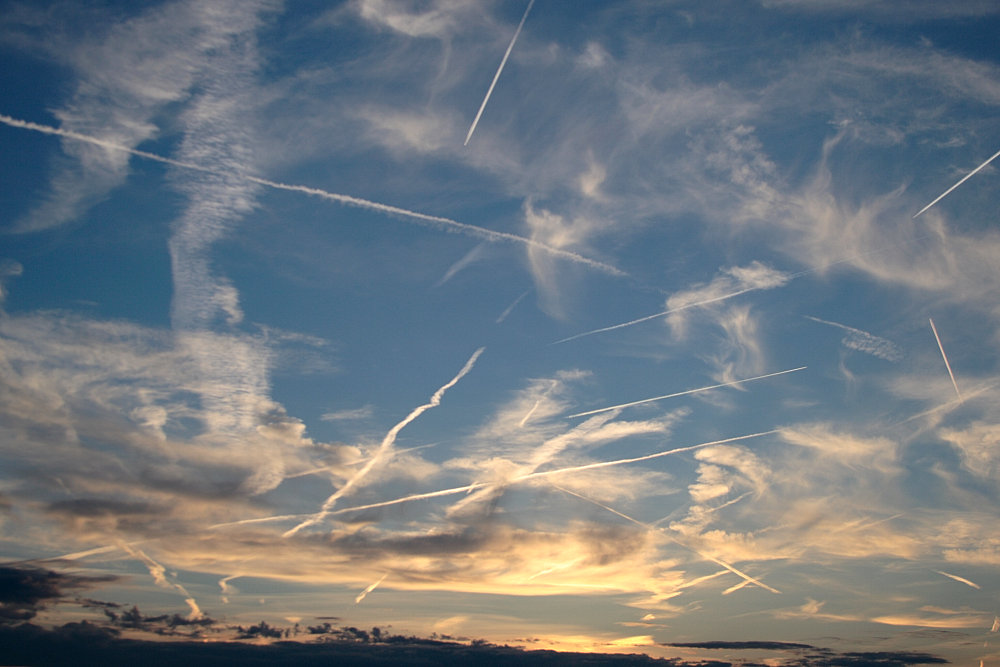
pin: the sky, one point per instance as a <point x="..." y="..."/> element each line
<point x="588" y="326"/>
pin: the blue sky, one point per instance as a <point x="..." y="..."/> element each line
<point x="252" y="277"/>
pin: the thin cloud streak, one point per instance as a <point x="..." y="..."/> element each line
<point x="436" y="221"/>
<point x="747" y="579"/>
<point x="511" y="307"/>
<point x="363" y="594"/>
<point x="864" y="341"/>
<point x="653" y="317"/>
<point x="510" y="47"/>
<point x="964" y="179"/>
<point x="158" y="572"/>
<point x="945" y="357"/>
<point x="385" y="448"/>
<point x="961" y="580"/>
<point x="684" y="393"/>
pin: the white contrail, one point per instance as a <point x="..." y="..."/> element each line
<point x="865" y="342"/>
<point x="996" y="624"/>
<point x="510" y="47"/>
<point x="158" y="572"/>
<point x="534" y="475"/>
<point x="422" y="218"/>
<point x="945" y="357"/>
<point x="511" y="307"/>
<point x="386" y="446"/>
<point x="964" y="179"/>
<point x="961" y="580"/>
<point x="747" y="579"/>
<point x="480" y="485"/>
<point x="364" y="593"/>
<point x="684" y="393"/>
<point x="653" y="317"/>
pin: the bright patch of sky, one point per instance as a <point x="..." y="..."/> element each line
<point x="252" y="276"/>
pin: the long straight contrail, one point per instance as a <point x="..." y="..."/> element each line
<point x="421" y="218"/>
<point x="964" y="179"/>
<point x="480" y="485"/>
<point x="510" y="47"/>
<point x="385" y="448"/>
<point x="653" y="317"/>
<point x="747" y="579"/>
<point x="684" y="393"/>
<point x="945" y="357"/>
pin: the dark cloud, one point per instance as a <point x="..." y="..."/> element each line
<point x="93" y="507"/>
<point x="771" y="646"/>
<point x="26" y="590"/>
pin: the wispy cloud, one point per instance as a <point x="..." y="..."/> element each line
<point x="862" y="341"/>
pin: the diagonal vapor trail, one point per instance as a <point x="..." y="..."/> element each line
<point x="964" y="179"/>
<point x="747" y="579"/>
<point x="510" y="47"/>
<point x="385" y="449"/>
<point x="363" y="594"/>
<point x="945" y="357"/>
<point x="439" y="222"/>
<point x="685" y="393"/>
<point x="961" y="580"/>
<point x="480" y="485"/>
<point x="653" y="317"/>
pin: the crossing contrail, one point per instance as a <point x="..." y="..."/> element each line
<point x="964" y="179"/>
<point x="480" y="485"/>
<point x="439" y="222"/>
<point x="510" y="47"/>
<point x="945" y="357"/>
<point x="385" y="449"/>
<point x="747" y="579"/>
<point x="684" y="393"/>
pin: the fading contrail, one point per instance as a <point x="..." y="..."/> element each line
<point x="385" y="448"/>
<point x="684" y="393"/>
<point x="653" y="317"/>
<point x="158" y="572"/>
<point x="961" y="580"/>
<point x="480" y="485"/>
<point x="747" y="579"/>
<point x="363" y="594"/>
<point x="945" y="357"/>
<point x="431" y="220"/>
<point x="964" y="179"/>
<point x="510" y="47"/>
<point x="511" y="307"/>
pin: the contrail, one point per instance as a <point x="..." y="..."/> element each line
<point x="961" y="580"/>
<point x="511" y="307"/>
<point x="653" y="317"/>
<point x="945" y="357"/>
<point x="747" y="579"/>
<point x="364" y="593"/>
<point x="422" y="218"/>
<point x="480" y="485"/>
<point x="158" y="572"/>
<point x="510" y="47"/>
<point x="684" y="393"/>
<point x="386" y="446"/>
<point x="545" y="473"/>
<point x="964" y="179"/>
<point x="865" y="342"/>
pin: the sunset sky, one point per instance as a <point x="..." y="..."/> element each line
<point x="584" y="325"/>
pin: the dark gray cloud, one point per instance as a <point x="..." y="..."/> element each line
<point x="24" y="591"/>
